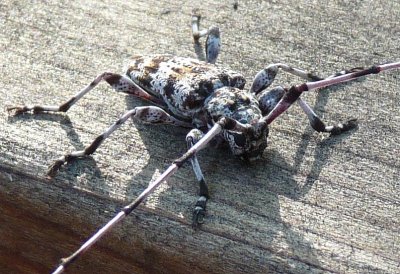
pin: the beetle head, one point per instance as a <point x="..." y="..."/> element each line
<point x="250" y="144"/>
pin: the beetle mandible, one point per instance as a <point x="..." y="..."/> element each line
<point x="210" y="99"/>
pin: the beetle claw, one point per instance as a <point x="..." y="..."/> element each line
<point x="198" y="217"/>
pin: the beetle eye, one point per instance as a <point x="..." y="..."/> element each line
<point x="240" y="139"/>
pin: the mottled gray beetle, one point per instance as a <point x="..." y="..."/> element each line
<point x="207" y="98"/>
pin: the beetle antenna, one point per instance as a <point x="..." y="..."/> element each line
<point x="351" y="76"/>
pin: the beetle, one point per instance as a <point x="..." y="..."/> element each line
<point x="209" y="99"/>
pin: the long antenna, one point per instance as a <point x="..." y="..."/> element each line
<point x="215" y="130"/>
<point x="295" y="91"/>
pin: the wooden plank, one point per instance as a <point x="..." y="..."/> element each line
<point x="315" y="204"/>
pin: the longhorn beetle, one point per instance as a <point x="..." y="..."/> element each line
<point x="207" y="98"/>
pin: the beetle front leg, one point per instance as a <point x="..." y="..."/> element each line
<point x="269" y="99"/>
<point x="118" y="82"/>
<point x="213" y="41"/>
<point x="319" y="126"/>
<point x="149" y="114"/>
<point x="266" y="76"/>
<point x="200" y="208"/>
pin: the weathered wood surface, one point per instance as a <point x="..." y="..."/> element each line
<point x="314" y="205"/>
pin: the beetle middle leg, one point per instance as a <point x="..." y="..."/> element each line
<point x="200" y="208"/>
<point x="149" y="114"/>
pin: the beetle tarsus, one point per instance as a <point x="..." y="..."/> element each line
<point x="199" y="212"/>
<point x="341" y="128"/>
<point x="17" y="110"/>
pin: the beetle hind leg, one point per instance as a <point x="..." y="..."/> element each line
<point x="118" y="82"/>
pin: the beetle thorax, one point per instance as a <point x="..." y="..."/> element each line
<point x="243" y="107"/>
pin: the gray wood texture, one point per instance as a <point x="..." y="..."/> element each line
<point x="315" y="204"/>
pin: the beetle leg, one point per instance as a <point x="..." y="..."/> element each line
<point x="293" y="93"/>
<point x="268" y="100"/>
<point x="213" y="45"/>
<point x="149" y="114"/>
<point x="281" y="98"/>
<point x="213" y="41"/>
<point x="317" y="124"/>
<point x="200" y="208"/>
<point x="156" y="115"/>
<point x="196" y="25"/>
<point x="118" y="82"/>
<point x="266" y="76"/>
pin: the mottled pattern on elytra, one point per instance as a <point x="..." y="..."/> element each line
<point x="182" y="83"/>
